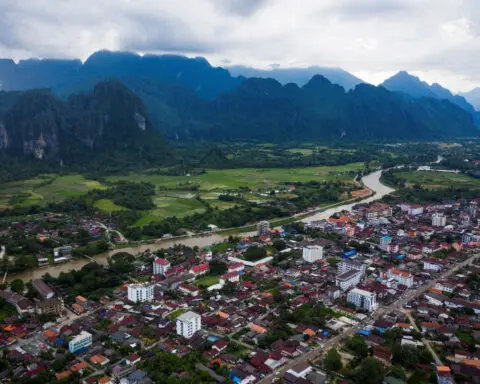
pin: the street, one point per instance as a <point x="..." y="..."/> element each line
<point x="315" y="353"/>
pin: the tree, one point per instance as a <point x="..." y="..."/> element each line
<point x="333" y="361"/>
<point x="371" y="371"/>
<point x="217" y="267"/>
<point x="18" y="286"/>
<point x="358" y="346"/>
<point x="398" y="372"/>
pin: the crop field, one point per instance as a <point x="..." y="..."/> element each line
<point x="438" y="180"/>
<point x="253" y="178"/>
<point x="175" y="195"/>
<point x="45" y="189"/>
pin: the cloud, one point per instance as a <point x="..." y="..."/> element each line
<point x="241" y="7"/>
<point x="436" y="39"/>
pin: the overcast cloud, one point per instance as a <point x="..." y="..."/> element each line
<point x="438" y="40"/>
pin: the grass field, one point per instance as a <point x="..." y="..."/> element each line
<point x="177" y="313"/>
<point x="106" y="205"/>
<point x="45" y="189"/>
<point x="207" y="281"/>
<point x="438" y="180"/>
<point x="175" y="195"/>
<point x="227" y="179"/>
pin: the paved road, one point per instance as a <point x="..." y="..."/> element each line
<point x="424" y="341"/>
<point x="315" y="353"/>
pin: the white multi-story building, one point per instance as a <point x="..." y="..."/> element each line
<point x="263" y="228"/>
<point x="82" y="340"/>
<point x="312" y="253"/>
<point x="139" y="293"/>
<point x="432" y="265"/>
<point x="188" y="323"/>
<point x="385" y="241"/>
<point x="351" y="265"/>
<point x="348" y="279"/>
<point x="160" y="266"/>
<point x="439" y="220"/>
<point x="232" y="277"/>
<point x="404" y="278"/>
<point x="362" y="299"/>
<point x="415" y="210"/>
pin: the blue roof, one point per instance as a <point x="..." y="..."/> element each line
<point x="364" y="332"/>
<point x="386" y="238"/>
<point x="212" y="339"/>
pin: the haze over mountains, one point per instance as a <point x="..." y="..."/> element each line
<point x="188" y="99"/>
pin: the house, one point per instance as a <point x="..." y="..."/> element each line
<point x="132" y="359"/>
<point x="189" y="289"/>
<point x="444" y="375"/>
<point x="99" y="360"/>
<point x="233" y="277"/>
<point x="220" y="345"/>
<point x="200" y="269"/>
<point x="383" y="355"/>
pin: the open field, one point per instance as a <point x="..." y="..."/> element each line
<point x="207" y="281"/>
<point x="438" y="180"/>
<point x="107" y="205"/>
<point x="45" y="189"/>
<point x="253" y="178"/>
<point x="175" y="195"/>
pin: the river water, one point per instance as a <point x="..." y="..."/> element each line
<point x="371" y="181"/>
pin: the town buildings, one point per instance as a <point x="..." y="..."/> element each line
<point x="312" y="253"/>
<point x="160" y="266"/>
<point x="362" y="299"/>
<point x="140" y="292"/>
<point x="402" y="277"/>
<point x="263" y="227"/>
<point x="348" y="279"/>
<point x="439" y="220"/>
<point x="188" y="323"/>
<point x="79" y="342"/>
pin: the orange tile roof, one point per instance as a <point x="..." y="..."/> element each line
<point x="473" y="363"/>
<point x="63" y="375"/>
<point x="398" y="272"/>
<point x="443" y="368"/>
<point x="403" y="325"/>
<point x="104" y="380"/>
<point x="258" y="328"/>
<point x="98" y="359"/>
<point x="81" y="298"/>
<point x="79" y="366"/>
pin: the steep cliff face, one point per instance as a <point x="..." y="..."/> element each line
<point x="111" y="118"/>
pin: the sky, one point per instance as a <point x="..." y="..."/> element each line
<point x="437" y="40"/>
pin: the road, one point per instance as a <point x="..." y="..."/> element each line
<point x="315" y="353"/>
<point x="425" y="342"/>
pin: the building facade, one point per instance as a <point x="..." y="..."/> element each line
<point x="82" y="340"/>
<point x="351" y="265"/>
<point x="139" y="293"/>
<point x="362" y="299"/>
<point x="402" y="277"/>
<point x="348" y="280"/>
<point x="263" y="228"/>
<point x="312" y="253"/>
<point x="188" y="323"/>
<point x="439" y="220"/>
<point x="385" y="241"/>
<point x="160" y="266"/>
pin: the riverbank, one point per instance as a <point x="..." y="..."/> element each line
<point x="370" y="181"/>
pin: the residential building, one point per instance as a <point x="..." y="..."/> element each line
<point x="312" y="253"/>
<point x="82" y="340"/>
<point x="140" y="292"/>
<point x="385" y="242"/>
<point x="301" y="370"/>
<point x="53" y="306"/>
<point x="348" y="279"/>
<point x="439" y="220"/>
<point x="160" y="266"/>
<point x="188" y="323"/>
<point x="42" y="289"/>
<point x="263" y="228"/>
<point x="362" y="299"/>
<point x="377" y="210"/>
<point x="404" y="278"/>
<point x="432" y="265"/>
<point x="189" y="289"/>
<point x="444" y="375"/>
<point x="232" y="277"/>
<point x="415" y="210"/>
<point x="200" y="269"/>
<point x="232" y="267"/>
<point x="351" y="265"/>
<point x="472" y="209"/>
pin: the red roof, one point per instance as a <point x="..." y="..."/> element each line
<point x="200" y="268"/>
<point x="162" y="262"/>
<point x="229" y="275"/>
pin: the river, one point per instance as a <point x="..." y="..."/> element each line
<point x="372" y="181"/>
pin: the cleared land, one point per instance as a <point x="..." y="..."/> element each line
<point x="438" y="180"/>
